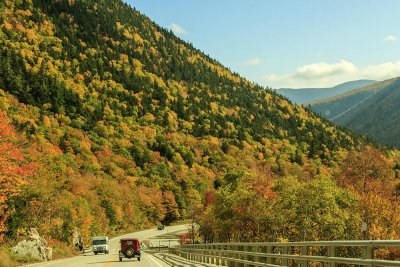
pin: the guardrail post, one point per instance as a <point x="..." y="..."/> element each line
<point x="332" y="253"/>
<point x="245" y="257"/>
<point x="207" y="254"/>
<point x="212" y="255"/>
<point x="222" y="254"/>
<point x="227" y="255"/>
<point x="269" y="251"/>
<point x="304" y="252"/>
<point x="237" y="256"/>
<point x="215" y="253"/>
<point x="229" y="263"/>
<point x="285" y="250"/>
<point x="257" y="250"/>
<point x="369" y="252"/>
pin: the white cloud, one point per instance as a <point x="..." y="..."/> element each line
<point x="176" y="29"/>
<point x="322" y="69"/>
<point x="382" y="71"/>
<point x="326" y="75"/>
<point x="253" y="62"/>
<point x="390" y="38"/>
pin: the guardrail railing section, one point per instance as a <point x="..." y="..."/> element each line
<point x="295" y="254"/>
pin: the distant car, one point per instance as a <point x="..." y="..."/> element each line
<point x="160" y="227"/>
<point x="130" y="248"/>
<point x="100" y="245"/>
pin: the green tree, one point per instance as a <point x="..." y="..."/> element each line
<point x="315" y="210"/>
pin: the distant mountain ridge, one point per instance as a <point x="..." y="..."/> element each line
<point x="304" y="95"/>
<point x="372" y="110"/>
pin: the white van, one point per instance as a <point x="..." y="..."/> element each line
<point x="100" y="245"/>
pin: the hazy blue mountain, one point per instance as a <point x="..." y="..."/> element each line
<point x="373" y="110"/>
<point x="304" y="95"/>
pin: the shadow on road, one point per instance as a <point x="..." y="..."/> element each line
<point x="103" y="262"/>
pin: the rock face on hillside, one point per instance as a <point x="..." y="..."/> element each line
<point x="77" y="240"/>
<point x="34" y="248"/>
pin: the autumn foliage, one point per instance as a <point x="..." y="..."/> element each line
<point x="109" y="124"/>
<point x="15" y="169"/>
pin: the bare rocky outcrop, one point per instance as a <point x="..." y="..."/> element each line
<point x="33" y="248"/>
<point x="77" y="240"/>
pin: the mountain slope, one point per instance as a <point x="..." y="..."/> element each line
<point x="372" y="110"/>
<point x="130" y="126"/>
<point x="305" y="95"/>
<point x="380" y="116"/>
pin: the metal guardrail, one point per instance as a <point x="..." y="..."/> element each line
<point x="301" y="254"/>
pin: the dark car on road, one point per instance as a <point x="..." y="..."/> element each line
<point x="161" y="227"/>
<point x="130" y="248"/>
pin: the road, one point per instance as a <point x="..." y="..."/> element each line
<point x="112" y="260"/>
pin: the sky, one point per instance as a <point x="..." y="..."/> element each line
<point x="289" y="43"/>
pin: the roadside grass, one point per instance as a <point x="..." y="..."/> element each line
<point x="62" y="250"/>
<point x="6" y="257"/>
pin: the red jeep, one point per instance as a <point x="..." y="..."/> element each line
<point x="130" y="248"/>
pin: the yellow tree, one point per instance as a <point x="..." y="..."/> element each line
<point x="367" y="172"/>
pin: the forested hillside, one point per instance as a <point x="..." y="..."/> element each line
<point x="371" y="110"/>
<point x="110" y="123"/>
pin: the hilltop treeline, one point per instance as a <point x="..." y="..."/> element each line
<point x="112" y="124"/>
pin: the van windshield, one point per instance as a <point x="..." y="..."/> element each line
<point x="99" y="242"/>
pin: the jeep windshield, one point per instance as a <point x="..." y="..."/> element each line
<point x="99" y="242"/>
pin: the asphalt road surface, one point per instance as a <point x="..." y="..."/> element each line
<point x="112" y="260"/>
